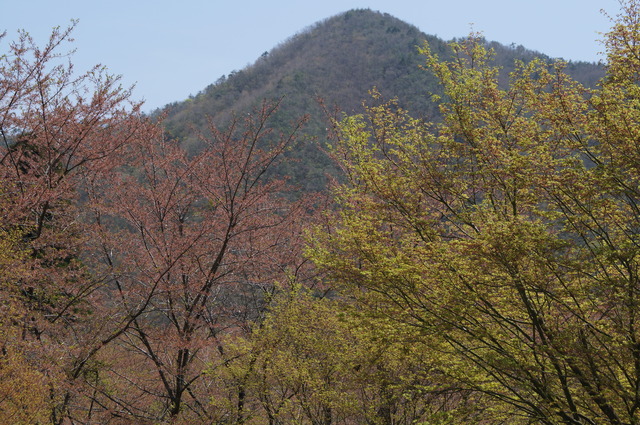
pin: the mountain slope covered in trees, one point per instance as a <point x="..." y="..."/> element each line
<point x="339" y="60"/>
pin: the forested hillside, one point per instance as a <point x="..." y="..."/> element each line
<point x="338" y="60"/>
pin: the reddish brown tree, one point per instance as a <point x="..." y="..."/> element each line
<point x="202" y="238"/>
<point x="133" y="261"/>
<point x="56" y="128"/>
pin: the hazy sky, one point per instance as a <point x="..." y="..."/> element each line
<point x="172" y="49"/>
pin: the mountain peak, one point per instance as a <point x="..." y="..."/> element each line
<point x="339" y="59"/>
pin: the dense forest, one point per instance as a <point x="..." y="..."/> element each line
<point x="334" y="64"/>
<point x="471" y="256"/>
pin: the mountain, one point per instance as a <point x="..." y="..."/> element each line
<point x="339" y="60"/>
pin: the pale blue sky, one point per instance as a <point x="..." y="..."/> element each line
<point x="172" y="49"/>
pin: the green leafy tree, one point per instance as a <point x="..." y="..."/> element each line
<point x="24" y="397"/>
<point x="319" y="360"/>
<point x="509" y="233"/>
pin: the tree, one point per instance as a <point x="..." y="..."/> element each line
<point x="508" y="233"/>
<point x="56" y="128"/>
<point x="198" y="241"/>
<point x="132" y="262"/>
<point x="23" y="398"/>
<point x="319" y="360"/>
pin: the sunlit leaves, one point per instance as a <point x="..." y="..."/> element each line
<point x="508" y="232"/>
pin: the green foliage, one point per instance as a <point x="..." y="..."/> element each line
<point x="507" y="233"/>
<point x="318" y="360"/>
<point x="24" y="383"/>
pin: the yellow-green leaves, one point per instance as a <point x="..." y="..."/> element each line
<point x="508" y="234"/>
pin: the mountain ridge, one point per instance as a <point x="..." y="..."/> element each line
<point x="339" y="59"/>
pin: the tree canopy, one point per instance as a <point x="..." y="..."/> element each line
<point x="508" y="234"/>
